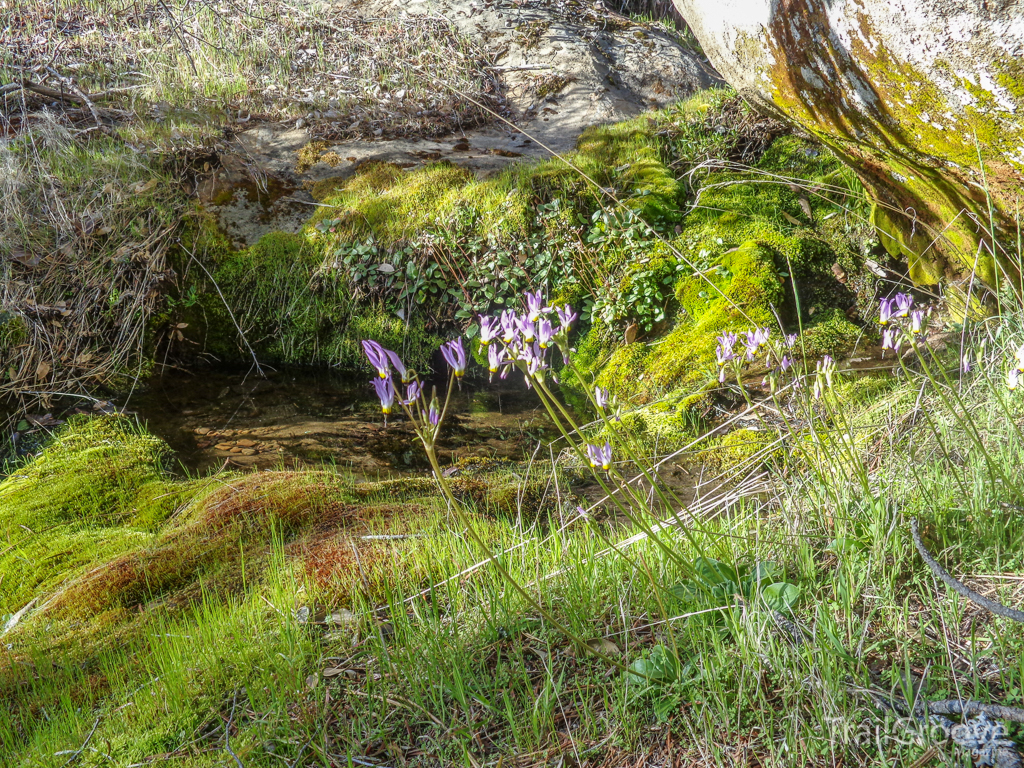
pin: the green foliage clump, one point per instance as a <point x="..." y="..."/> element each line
<point x="756" y="246"/>
<point x="291" y="310"/>
<point x="738" y="294"/>
<point x="831" y="334"/>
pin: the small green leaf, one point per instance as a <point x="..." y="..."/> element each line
<point x="781" y="596"/>
<point x="713" y="572"/>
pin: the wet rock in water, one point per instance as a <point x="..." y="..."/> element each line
<point x="908" y="93"/>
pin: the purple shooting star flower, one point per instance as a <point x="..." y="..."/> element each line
<point x="509" y="326"/>
<point x="535" y="305"/>
<point x="884" y="311"/>
<point x="566" y="317"/>
<point x="527" y="329"/>
<point x="891" y="339"/>
<point x="403" y="373"/>
<point x="545" y="333"/>
<point x="724" y="355"/>
<point x="601" y="397"/>
<point x="489" y="327"/>
<point x="378" y="357"/>
<point x="434" y="412"/>
<point x="917" y="322"/>
<point x="455" y="355"/>
<point x="495" y="359"/>
<point x="724" y="351"/>
<point x="600" y="456"/>
<point x="1012" y="379"/>
<point x="755" y="340"/>
<point x="386" y="392"/>
<point x="903" y="303"/>
<point x="411" y="393"/>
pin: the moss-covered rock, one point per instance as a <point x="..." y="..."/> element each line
<point x="739" y="294"/>
<point x="658" y="244"/>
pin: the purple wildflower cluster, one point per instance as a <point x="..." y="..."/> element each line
<point x="524" y="340"/>
<point x="600" y="456"/>
<point x="899" y="320"/>
<point x="751" y="345"/>
<point x="513" y="340"/>
<point x="734" y="351"/>
<point x="383" y="360"/>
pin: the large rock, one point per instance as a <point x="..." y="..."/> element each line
<point x="910" y="92"/>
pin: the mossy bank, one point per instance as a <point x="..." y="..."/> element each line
<point x="664" y="231"/>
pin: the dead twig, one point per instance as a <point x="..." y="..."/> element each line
<point x="227" y="732"/>
<point x="85" y="744"/>
<point x="177" y="33"/>
<point x="76" y="94"/>
<point x="991" y="605"/>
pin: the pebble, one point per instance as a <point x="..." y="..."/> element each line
<point x="246" y="443"/>
<point x="202" y="430"/>
<point x="223" y="446"/>
<point x="248" y="452"/>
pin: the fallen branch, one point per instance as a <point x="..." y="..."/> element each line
<point x="81" y="749"/>
<point x="991" y="605"/>
<point x="76" y="95"/>
<point x="81" y="94"/>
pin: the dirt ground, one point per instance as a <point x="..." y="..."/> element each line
<point x="562" y="66"/>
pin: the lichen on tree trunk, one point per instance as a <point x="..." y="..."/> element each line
<point x="922" y="98"/>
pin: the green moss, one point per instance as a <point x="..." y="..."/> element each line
<point x="670" y="424"/>
<point x="934" y="163"/>
<point x="735" y="297"/>
<point x="831" y="334"/>
<point x="77" y="505"/>
<point x="95" y="526"/>
<point x="391" y="206"/>
<point x="746" y="448"/>
<point x="755" y="251"/>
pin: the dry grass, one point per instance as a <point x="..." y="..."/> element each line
<point x="84" y="232"/>
<point x="229" y="62"/>
<point x="95" y="98"/>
